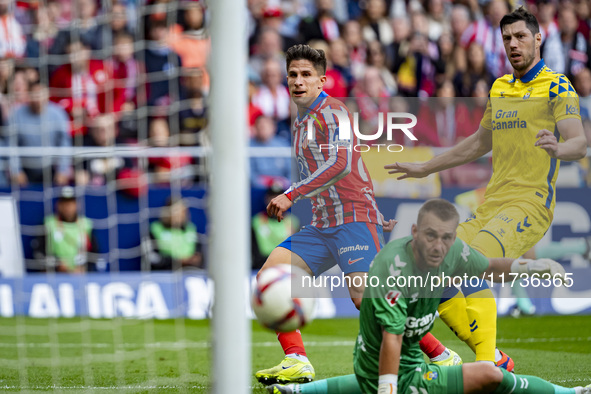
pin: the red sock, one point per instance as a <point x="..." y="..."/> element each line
<point x="431" y="346"/>
<point x="292" y="342"/>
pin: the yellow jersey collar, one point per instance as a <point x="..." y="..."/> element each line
<point x="531" y="74"/>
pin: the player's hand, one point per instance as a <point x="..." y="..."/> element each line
<point x="278" y="206"/>
<point x="408" y="170"/>
<point x="547" y="141"/>
<point x="388" y="225"/>
<point x="540" y="266"/>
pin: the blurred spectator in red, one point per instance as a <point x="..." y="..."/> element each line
<point x="273" y="97"/>
<point x="583" y="14"/>
<point x="573" y="44"/>
<point x="266" y="170"/>
<point x="98" y="171"/>
<point x="487" y="32"/>
<point x="268" y="46"/>
<point x="372" y="98"/>
<point x="12" y="39"/>
<point x="375" y="23"/>
<point x="125" y="69"/>
<point x="41" y="123"/>
<point x="357" y="48"/>
<point x="86" y="28"/>
<point x="340" y="69"/>
<point x="43" y="33"/>
<point x="335" y="85"/>
<point x="84" y="87"/>
<point x="376" y="57"/>
<point x="464" y="81"/>
<point x="193" y="118"/>
<point x="167" y="169"/>
<point x="322" y="26"/>
<point x="253" y="110"/>
<point x="190" y="40"/>
<point x="162" y="65"/>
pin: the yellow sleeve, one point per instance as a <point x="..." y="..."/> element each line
<point x="564" y="101"/>
<point x="486" y="121"/>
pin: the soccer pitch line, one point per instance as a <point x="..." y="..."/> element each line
<point x="180" y="345"/>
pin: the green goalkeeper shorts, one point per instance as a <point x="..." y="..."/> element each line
<point x="422" y="379"/>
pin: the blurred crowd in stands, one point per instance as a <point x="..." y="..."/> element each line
<point x="98" y="74"/>
<point x="87" y="73"/>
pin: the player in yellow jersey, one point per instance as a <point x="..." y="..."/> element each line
<point x="531" y="122"/>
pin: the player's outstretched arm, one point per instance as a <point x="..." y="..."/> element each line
<point x="464" y="152"/>
<point x="389" y="363"/>
<point x="502" y="268"/>
<point x="574" y="146"/>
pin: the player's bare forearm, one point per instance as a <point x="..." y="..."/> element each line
<point x="466" y="151"/>
<point x="574" y="146"/>
<point x="573" y="149"/>
<point x="499" y="269"/>
<point x="390" y="353"/>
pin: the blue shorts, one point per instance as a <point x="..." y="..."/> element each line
<point x="352" y="246"/>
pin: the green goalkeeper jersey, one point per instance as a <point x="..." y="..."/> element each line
<point x="402" y="299"/>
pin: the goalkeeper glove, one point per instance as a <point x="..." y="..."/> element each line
<point x="388" y="384"/>
<point x="540" y="266"/>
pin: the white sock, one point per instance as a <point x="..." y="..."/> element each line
<point x="442" y="356"/>
<point x="498" y="355"/>
<point x="488" y="362"/>
<point x="298" y="357"/>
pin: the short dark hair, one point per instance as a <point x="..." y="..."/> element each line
<point x="443" y="209"/>
<point x="305" y="52"/>
<point x="521" y="14"/>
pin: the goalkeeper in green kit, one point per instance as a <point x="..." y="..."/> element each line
<point x="399" y="306"/>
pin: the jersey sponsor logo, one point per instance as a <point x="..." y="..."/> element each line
<point x="509" y="124"/>
<point x="504" y="218"/>
<point x="414" y="298"/>
<point x="431" y="375"/>
<point x="346" y="249"/>
<point x="354" y="261"/>
<point x="572" y="110"/>
<point x="418" y="326"/>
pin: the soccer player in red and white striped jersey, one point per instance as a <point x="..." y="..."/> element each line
<point x="347" y="228"/>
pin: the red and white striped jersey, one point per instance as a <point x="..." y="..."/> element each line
<point x="332" y="174"/>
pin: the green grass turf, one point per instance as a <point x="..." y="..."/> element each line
<point x="80" y="355"/>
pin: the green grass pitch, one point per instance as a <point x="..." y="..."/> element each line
<point x="82" y="355"/>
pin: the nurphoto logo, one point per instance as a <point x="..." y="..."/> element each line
<point x="344" y="126"/>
